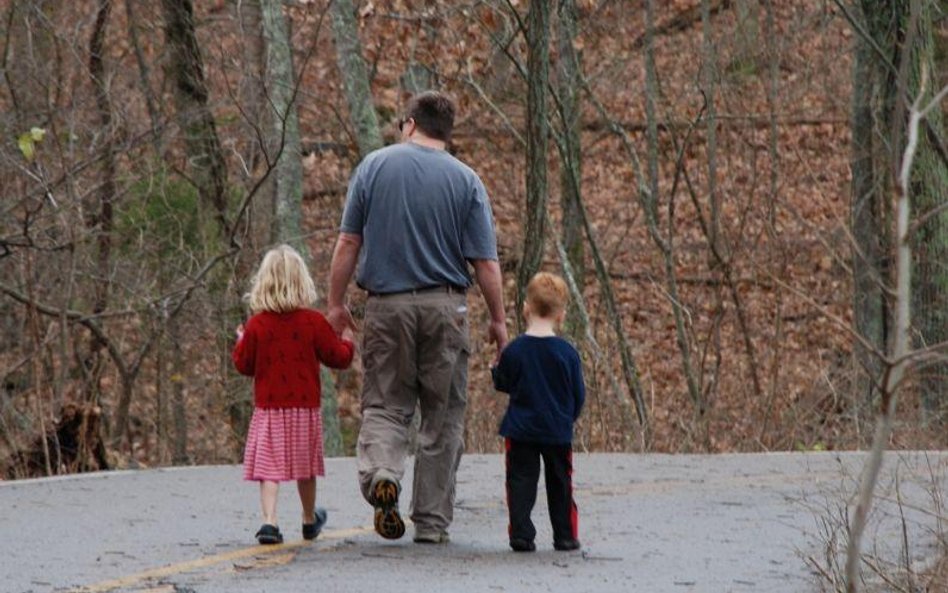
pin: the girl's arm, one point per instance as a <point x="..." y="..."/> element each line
<point x="331" y="350"/>
<point x="245" y="350"/>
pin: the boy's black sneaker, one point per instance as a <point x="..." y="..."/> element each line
<point x="388" y="523"/>
<point x="566" y="545"/>
<point x="522" y="545"/>
<point x="311" y="530"/>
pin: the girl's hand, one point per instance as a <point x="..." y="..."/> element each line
<point x="240" y="331"/>
<point x="340" y="318"/>
<point x="347" y="334"/>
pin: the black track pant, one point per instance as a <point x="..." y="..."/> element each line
<point x="523" y="473"/>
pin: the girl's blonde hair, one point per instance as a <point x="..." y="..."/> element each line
<point x="282" y="283"/>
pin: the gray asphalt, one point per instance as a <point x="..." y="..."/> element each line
<point x="651" y="523"/>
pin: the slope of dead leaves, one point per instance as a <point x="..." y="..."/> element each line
<point x="783" y="221"/>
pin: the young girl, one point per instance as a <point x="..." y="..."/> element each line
<point x="281" y="347"/>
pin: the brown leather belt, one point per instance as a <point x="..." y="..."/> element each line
<point x="448" y="289"/>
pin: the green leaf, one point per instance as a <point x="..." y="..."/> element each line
<point x="27" y="142"/>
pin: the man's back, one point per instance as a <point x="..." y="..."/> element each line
<point x="421" y="214"/>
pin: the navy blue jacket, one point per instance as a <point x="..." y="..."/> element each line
<point x="544" y="378"/>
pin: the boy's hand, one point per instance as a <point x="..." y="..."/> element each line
<point x="240" y="331"/>
<point x="497" y="333"/>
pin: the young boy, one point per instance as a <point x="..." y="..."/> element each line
<point x="544" y="377"/>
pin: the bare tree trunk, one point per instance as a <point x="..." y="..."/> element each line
<point x="205" y="155"/>
<point x="178" y="404"/>
<point x="895" y="44"/>
<point x="709" y="73"/>
<point x="650" y="206"/>
<point x="929" y="192"/>
<point x="35" y="366"/>
<point x="569" y="71"/>
<point x="29" y="50"/>
<point x="285" y="146"/>
<point x="538" y="66"/>
<point x="629" y="366"/>
<point x="747" y="34"/>
<point x="869" y="219"/>
<point x="144" y="74"/>
<point x="774" y="238"/>
<point x="355" y="77"/>
<point x="900" y="354"/>
<point x="103" y="220"/>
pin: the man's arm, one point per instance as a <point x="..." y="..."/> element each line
<point x="344" y="259"/>
<point x="489" y="279"/>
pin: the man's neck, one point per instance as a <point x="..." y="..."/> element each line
<point x="541" y="327"/>
<point x="422" y="140"/>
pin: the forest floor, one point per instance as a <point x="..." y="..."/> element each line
<point x="656" y="523"/>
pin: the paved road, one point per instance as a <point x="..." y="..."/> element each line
<point x="649" y="523"/>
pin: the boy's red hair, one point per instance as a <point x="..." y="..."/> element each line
<point x="547" y="294"/>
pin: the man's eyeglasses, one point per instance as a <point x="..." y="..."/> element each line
<point x="401" y="122"/>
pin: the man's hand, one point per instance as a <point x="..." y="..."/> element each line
<point x="340" y="318"/>
<point x="488" y="277"/>
<point x="344" y="258"/>
<point x="497" y="333"/>
<point x="348" y="334"/>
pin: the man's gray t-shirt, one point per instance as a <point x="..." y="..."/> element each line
<point x="422" y="214"/>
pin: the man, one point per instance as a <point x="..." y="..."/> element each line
<point x="415" y="216"/>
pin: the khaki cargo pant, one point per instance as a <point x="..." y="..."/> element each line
<point x="415" y="351"/>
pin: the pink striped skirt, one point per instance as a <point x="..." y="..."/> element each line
<point x="284" y="444"/>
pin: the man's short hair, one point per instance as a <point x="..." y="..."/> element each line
<point x="433" y="112"/>
<point x="547" y="294"/>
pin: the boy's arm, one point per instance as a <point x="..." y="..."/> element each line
<point x="501" y="373"/>
<point x="579" y="388"/>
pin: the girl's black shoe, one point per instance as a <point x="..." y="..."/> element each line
<point x="311" y="530"/>
<point x="269" y="534"/>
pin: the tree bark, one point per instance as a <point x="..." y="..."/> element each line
<point x="29" y="47"/>
<point x="650" y="206"/>
<point x="569" y="69"/>
<point x="284" y="145"/>
<point x="208" y="169"/>
<point x="709" y="73"/>
<point x="288" y="174"/>
<point x="895" y="42"/>
<point x="144" y="75"/>
<point x="900" y="353"/>
<point x="747" y="34"/>
<point x="101" y="223"/>
<point x="929" y="191"/>
<point x="355" y="77"/>
<point x="869" y="214"/>
<point x="538" y="67"/>
<point x="178" y="403"/>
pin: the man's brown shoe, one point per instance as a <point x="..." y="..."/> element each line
<point x="388" y="523"/>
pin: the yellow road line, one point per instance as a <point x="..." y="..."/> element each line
<point x="610" y="490"/>
<point x="172" y="569"/>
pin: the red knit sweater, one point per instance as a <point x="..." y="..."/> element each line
<point x="282" y="352"/>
